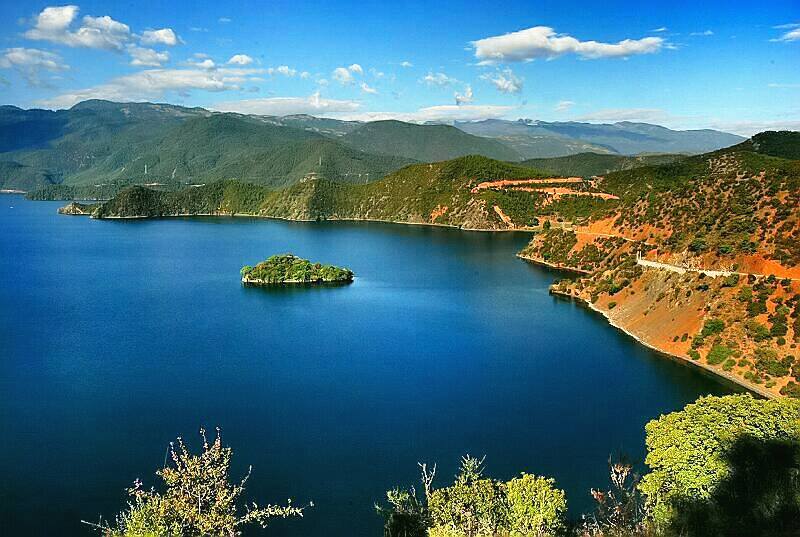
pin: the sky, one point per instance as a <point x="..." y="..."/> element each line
<point x="728" y="65"/>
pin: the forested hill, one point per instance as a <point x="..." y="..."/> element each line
<point x="589" y="164"/>
<point x="437" y="193"/>
<point x="103" y="143"/>
<point x="427" y="143"/>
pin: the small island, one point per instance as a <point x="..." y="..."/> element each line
<point x="290" y="269"/>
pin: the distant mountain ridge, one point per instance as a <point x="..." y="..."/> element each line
<point x="106" y="143"/>
<point x="625" y="138"/>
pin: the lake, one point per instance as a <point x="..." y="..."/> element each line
<point x="117" y="336"/>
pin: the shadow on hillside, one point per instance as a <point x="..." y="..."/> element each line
<point x="759" y="498"/>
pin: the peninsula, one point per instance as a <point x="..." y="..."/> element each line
<point x="288" y="268"/>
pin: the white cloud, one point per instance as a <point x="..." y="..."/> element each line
<point x="791" y="35"/>
<point x="29" y="62"/>
<point x="284" y="70"/>
<point x="406" y="64"/>
<point x="563" y="106"/>
<point x="627" y="114"/>
<point x="323" y="82"/>
<point x="305" y="74"/>
<point x="367" y="89"/>
<point x="543" y="42"/>
<point x="164" y="36"/>
<point x="660" y="29"/>
<point x="342" y="75"/>
<point x="377" y="74"/>
<point x="224" y="20"/>
<point x="438" y="79"/>
<point x="505" y="81"/>
<point x="201" y="63"/>
<point x="147" y="57"/>
<point x="284" y="106"/>
<point x="355" y="68"/>
<point x="240" y="59"/>
<point x="155" y="83"/>
<point x="704" y="33"/>
<point x="444" y="112"/>
<point x="53" y="24"/>
<point x="784" y="86"/>
<point x="464" y="98"/>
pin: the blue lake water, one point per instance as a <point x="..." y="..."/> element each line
<point x="116" y="336"/>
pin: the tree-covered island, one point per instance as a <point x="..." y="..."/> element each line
<point x="289" y="268"/>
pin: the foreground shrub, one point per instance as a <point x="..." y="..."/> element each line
<point x="477" y="506"/>
<point x="725" y="466"/>
<point x="198" y="499"/>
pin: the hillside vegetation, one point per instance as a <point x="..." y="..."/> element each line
<point x="733" y="213"/>
<point x="589" y="164"/>
<point x="426" y="143"/>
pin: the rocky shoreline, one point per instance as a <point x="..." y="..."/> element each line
<point x="738" y="381"/>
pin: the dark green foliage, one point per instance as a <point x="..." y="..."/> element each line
<point x="757" y="331"/>
<point x="784" y="144"/>
<point x="712" y="326"/>
<point x="589" y="164"/>
<point x="718" y="354"/>
<point x="767" y="361"/>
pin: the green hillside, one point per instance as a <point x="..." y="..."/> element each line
<point x="100" y="147"/>
<point x="427" y="143"/>
<point x="589" y="164"/>
<point x="425" y="193"/>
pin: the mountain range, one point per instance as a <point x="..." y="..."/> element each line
<point x="102" y="144"/>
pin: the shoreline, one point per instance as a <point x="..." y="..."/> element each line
<point x="311" y="220"/>
<point x="684" y="360"/>
<point x="535" y="261"/>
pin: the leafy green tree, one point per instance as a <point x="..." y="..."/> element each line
<point x="689" y="453"/>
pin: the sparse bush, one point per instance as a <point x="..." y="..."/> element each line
<point x="198" y="499"/>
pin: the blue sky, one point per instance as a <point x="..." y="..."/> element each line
<point x="728" y="65"/>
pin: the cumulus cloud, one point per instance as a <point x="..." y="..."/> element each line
<point x="147" y="57"/>
<point x="438" y="79"/>
<point x="29" y="62"/>
<point x="544" y="42"/>
<point x="284" y="70"/>
<point x="355" y="68"/>
<point x="793" y="33"/>
<point x="53" y="24"/>
<point x="155" y="83"/>
<point x="342" y="75"/>
<point x="240" y="59"/>
<point x="367" y="89"/>
<point x="406" y="64"/>
<point x="164" y="36"/>
<point x="464" y="98"/>
<point x="505" y="81"/>
<point x="563" y="106"/>
<point x="314" y="104"/>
